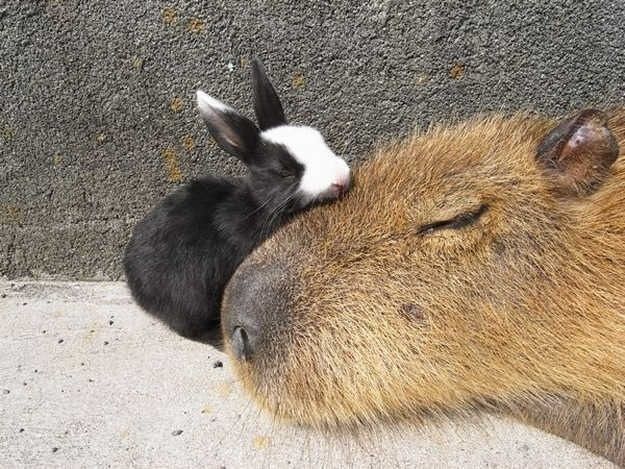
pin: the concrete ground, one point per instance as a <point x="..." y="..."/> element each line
<point x="88" y="380"/>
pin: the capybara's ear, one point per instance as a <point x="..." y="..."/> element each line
<point x="578" y="153"/>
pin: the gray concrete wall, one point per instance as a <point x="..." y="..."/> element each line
<point x="96" y="97"/>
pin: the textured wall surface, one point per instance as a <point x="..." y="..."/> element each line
<point x="97" y="119"/>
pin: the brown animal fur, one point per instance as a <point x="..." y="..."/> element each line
<point x="367" y="318"/>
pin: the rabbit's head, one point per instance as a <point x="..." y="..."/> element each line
<point x="291" y="166"/>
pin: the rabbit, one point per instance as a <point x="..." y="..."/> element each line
<point x="182" y="254"/>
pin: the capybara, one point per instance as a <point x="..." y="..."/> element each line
<point x="474" y="267"/>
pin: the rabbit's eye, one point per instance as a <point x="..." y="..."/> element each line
<point x="455" y="223"/>
<point x="284" y="173"/>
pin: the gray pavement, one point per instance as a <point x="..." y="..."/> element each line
<point x="88" y="380"/>
<point x="97" y="119"/>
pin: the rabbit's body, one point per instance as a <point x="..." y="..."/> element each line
<point x="182" y="254"/>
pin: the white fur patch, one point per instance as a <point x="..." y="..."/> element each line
<point x="208" y="104"/>
<point x="323" y="170"/>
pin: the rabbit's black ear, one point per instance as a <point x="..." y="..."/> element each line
<point x="269" y="112"/>
<point x="233" y="132"/>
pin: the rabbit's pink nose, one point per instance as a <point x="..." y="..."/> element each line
<point x="339" y="187"/>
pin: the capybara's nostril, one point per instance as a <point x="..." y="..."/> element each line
<point x="241" y="344"/>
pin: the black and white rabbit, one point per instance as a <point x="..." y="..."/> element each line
<point x="182" y="254"/>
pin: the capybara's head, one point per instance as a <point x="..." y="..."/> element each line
<point x="479" y="264"/>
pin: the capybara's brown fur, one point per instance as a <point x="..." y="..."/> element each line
<point x="473" y="267"/>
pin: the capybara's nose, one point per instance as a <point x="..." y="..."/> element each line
<point x="255" y="308"/>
